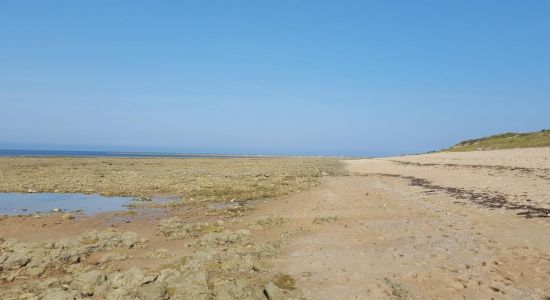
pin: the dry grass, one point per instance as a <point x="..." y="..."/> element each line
<point x="201" y="179"/>
<point x="505" y="141"/>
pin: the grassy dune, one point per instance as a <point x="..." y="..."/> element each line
<point x="508" y="140"/>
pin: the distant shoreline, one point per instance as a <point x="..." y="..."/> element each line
<point x="64" y="153"/>
<point x="129" y="154"/>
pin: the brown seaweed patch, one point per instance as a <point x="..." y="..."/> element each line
<point x="489" y="200"/>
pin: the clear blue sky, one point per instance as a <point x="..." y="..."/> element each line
<point x="273" y="77"/>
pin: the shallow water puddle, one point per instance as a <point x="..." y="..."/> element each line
<point x="28" y="203"/>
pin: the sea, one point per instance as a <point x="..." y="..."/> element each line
<point x="63" y="153"/>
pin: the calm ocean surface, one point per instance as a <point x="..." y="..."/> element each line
<point x="55" y="153"/>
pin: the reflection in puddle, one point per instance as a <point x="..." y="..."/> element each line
<point x="26" y="203"/>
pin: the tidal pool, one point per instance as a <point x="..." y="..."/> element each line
<point x="30" y="203"/>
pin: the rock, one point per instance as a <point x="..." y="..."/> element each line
<point x="42" y="285"/>
<point x="132" y="278"/>
<point x="102" y="289"/>
<point x="135" y="277"/>
<point x="120" y="294"/>
<point x="87" y="282"/>
<point x="167" y="274"/>
<point x="117" y="280"/>
<point x="273" y="291"/>
<point x="325" y="220"/>
<point x="36" y="258"/>
<point x="222" y="269"/>
<point x="158" y="254"/>
<point x="236" y="262"/>
<point x="13" y="260"/>
<point x="284" y="281"/>
<point x="225" y="238"/>
<point x="126" y="213"/>
<point x="55" y="210"/>
<point x="268" y="222"/>
<point x="176" y="228"/>
<point x="236" y="288"/>
<point x="153" y="290"/>
<point x="31" y="191"/>
<point x="56" y="294"/>
<point x="36" y="271"/>
<point x="149" y="278"/>
<point x="109" y="257"/>
<point x="268" y="249"/>
<point x="189" y="286"/>
<point x="27" y="296"/>
<point x="67" y="217"/>
<point x="261" y="266"/>
<point x="8" y="278"/>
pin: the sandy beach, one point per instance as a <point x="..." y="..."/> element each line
<point x="446" y="225"/>
<point x="275" y="150"/>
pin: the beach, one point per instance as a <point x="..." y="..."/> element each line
<point x="470" y="225"/>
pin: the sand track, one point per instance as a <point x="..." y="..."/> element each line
<point x="417" y="230"/>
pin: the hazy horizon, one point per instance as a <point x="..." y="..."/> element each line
<point x="213" y="151"/>
<point x="358" y="78"/>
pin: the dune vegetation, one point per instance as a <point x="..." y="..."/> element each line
<point x="508" y="140"/>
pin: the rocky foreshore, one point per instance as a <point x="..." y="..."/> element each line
<point x="225" y="264"/>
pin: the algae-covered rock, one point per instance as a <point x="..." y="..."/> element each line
<point x="57" y="294"/>
<point x="284" y="281"/>
<point x="119" y="294"/>
<point x="158" y="254"/>
<point x="325" y="220"/>
<point x="87" y="282"/>
<point x="282" y="286"/>
<point x="225" y="238"/>
<point x="110" y="257"/>
<point x="190" y="286"/>
<point x="133" y="277"/>
<point x="36" y="258"/>
<point x="268" y="222"/>
<point x="237" y="288"/>
<point x="176" y="228"/>
<point x="225" y="266"/>
<point x="13" y="260"/>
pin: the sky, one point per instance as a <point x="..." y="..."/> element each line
<point x="297" y="77"/>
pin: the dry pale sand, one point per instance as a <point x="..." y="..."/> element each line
<point x="396" y="238"/>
